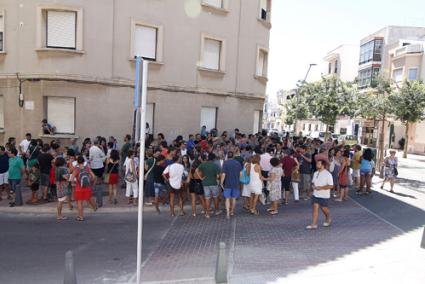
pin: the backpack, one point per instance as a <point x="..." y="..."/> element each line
<point x="84" y="178"/>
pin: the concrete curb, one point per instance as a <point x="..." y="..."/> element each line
<point x="88" y="211"/>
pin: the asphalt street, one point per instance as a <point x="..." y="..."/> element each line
<point x="32" y="247"/>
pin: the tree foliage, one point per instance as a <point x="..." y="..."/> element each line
<point x="329" y="98"/>
<point x="408" y="103"/>
<point x="375" y="104"/>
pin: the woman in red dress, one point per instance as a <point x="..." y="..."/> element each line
<point x="83" y="189"/>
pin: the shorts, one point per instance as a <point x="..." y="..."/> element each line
<point x="45" y="179"/>
<point x="62" y="199"/>
<point x="159" y="188"/>
<point x="98" y="172"/>
<point x="35" y="186"/>
<point x="4" y="178"/>
<point x="365" y="172"/>
<point x="195" y="186"/>
<point x="286" y="183"/>
<point x="211" y="191"/>
<point x="172" y="189"/>
<point x="356" y="173"/>
<point x="232" y="193"/>
<point x="132" y="188"/>
<point x="323" y="202"/>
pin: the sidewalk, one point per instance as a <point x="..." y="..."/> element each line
<point x="50" y="207"/>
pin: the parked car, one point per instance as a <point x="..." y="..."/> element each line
<point x="348" y="139"/>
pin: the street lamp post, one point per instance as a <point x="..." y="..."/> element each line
<point x="298" y="95"/>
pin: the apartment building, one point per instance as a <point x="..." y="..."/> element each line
<point x="72" y="62"/>
<point x="395" y="53"/>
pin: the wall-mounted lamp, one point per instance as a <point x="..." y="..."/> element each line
<point x="21" y="100"/>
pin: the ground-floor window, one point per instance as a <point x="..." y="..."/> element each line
<point x="343" y="131"/>
<point x="61" y="114"/>
<point x="209" y="117"/>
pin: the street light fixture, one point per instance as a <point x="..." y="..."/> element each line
<point x="298" y="93"/>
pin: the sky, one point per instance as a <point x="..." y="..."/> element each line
<point x="304" y="31"/>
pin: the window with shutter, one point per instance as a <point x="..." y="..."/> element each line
<point x="1" y="33"/>
<point x="61" y="114"/>
<point x="209" y="117"/>
<point x="1" y="112"/>
<point x="214" y="3"/>
<point x="265" y="7"/>
<point x="145" y="42"/>
<point x="61" y="29"/>
<point x="211" y="54"/>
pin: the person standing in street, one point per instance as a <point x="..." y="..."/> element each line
<point x="23" y="147"/>
<point x="275" y="180"/>
<point x="210" y="173"/>
<point x="83" y="192"/>
<point x="96" y="159"/>
<point x="4" y="168"/>
<point x="16" y="173"/>
<point x="391" y="171"/>
<point x="230" y="182"/>
<point x="45" y="161"/>
<point x="288" y="164"/>
<point x="305" y="160"/>
<point x="322" y="185"/>
<point x="255" y="185"/>
<point x="357" y="157"/>
<point x="173" y="176"/>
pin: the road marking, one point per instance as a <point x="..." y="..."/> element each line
<point x="377" y="216"/>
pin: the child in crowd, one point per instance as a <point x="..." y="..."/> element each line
<point x="34" y="182"/>
<point x="62" y="181"/>
<point x="295" y="180"/>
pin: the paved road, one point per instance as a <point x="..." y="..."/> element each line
<point x="32" y="247"/>
<point x="370" y="237"/>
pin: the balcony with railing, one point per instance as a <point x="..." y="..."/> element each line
<point x="409" y="49"/>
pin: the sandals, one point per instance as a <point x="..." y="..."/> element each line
<point x="79" y="219"/>
<point x="273" y="212"/>
<point x="327" y="223"/>
<point x="269" y="210"/>
<point x="255" y="212"/>
<point x="311" y="227"/>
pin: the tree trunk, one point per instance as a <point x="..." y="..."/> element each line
<point x="326" y="133"/>
<point x="407" y="140"/>
<point x="382" y="142"/>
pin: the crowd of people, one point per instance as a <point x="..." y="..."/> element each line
<point x="211" y="170"/>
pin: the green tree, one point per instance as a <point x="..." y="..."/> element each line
<point x="374" y="105"/>
<point x="328" y="99"/>
<point x="408" y="106"/>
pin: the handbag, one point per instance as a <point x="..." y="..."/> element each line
<point x="108" y="174"/>
<point x="130" y="176"/>
<point x="395" y="172"/>
<point x="244" y="179"/>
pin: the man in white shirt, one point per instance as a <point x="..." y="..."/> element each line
<point x="23" y="146"/>
<point x="322" y="185"/>
<point x="266" y="167"/>
<point x="96" y="159"/>
<point x="173" y="176"/>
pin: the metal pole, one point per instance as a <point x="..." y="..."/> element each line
<point x="70" y="275"/>
<point x="141" y="166"/>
